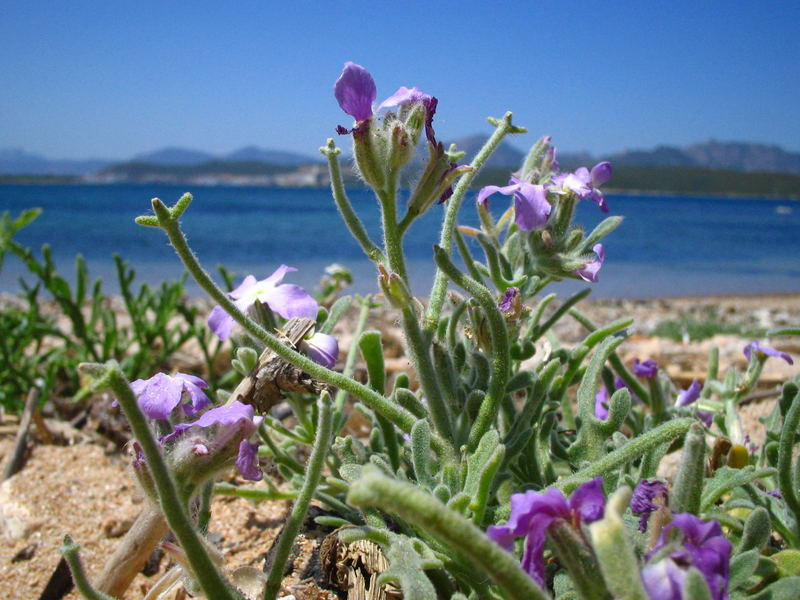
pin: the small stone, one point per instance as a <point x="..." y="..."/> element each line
<point x="25" y="554"/>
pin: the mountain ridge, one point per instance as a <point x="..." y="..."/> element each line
<point x="712" y="154"/>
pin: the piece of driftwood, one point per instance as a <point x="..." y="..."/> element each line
<point x="354" y="568"/>
<point x="16" y="458"/>
<point x="265" y="385"/>
<point x="132" y="552"/>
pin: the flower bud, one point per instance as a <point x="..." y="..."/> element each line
<point x="394" y="288"/>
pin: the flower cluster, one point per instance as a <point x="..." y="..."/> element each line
<point x="215" y="432"/>
<point x="532" y="513"/>
<point x="700" y="544"/>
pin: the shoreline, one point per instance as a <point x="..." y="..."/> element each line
<point x="66" y="180"/>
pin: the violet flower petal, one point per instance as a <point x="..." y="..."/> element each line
<point x="323" y="349"/>
<point x="289" y="300"/>
<point x="507" y="303"/>
<point x="689" y="395"/>
<point x="531" y="208"/>
<point x="500" y="534"/>
<point x="236" y="418"/>
<point x="488" y="190"/>
<point x="220" y="322"/>
<point x="355" y="91"/>
<point x="533" y="557"/>
<point x="247" y="461"/>
<point x="664" y="580"/>
<point x="590" y="271"/>
<point x="246" y="286"/>
<point x="601" y="404"/>
<point x="642" y="499"/>
<point x="704" y="546"/>
<point x="601" y="173"/>
<point x="588" y="500"/>
<point x="646" y="370"/>
<point x="524" y="507"/>
<point x="159" y="395"/>
<point x="754" y="346"/>
<point x="403" y="96"/>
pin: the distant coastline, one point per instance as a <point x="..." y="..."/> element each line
<point x="627" y="180"/>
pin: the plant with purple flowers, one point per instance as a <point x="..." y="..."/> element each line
<point x="487" y="465"/>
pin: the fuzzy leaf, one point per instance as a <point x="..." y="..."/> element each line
<point x="726" y="479"/>
<point x="742" y="567"/>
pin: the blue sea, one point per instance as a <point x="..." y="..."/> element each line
<point x="667" y="245"/>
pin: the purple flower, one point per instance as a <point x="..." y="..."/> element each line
<point x="225" y="425"/>
<point x="590" y="270"/>
<point x="247" y="461"/>
<point x="702" y="546"/>
<point x="355" y="91"/>
<point x="601" y="404"/>
<point x="286" y="299"/>
<point x="531" y="208"/>
<point x="689" y="395"/>
<point x="642" y="499"/>
<point x="584" y="183"/>
<point x="507" y="304"/>
<point x="323" y="349"/>
<point x="160" y="394"/>
<point x="755" y="348"/>
<point x="646" y="370"/>
<point x="532" y="513"/>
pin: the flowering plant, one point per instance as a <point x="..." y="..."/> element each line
<point x="506" y="468"/>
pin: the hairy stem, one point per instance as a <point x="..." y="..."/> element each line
<point x="70" y="551"/>
<point x="448" y="526"/>
<point x="502" y="128"/>
<point x="500" y="349"/>
<point x="312" y="476"/>
<point x="208" y="576"/>
<point x="354" y="224"/>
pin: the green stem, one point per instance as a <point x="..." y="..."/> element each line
<point x="786" y="479"/>
<point x="502" y="128"/>
<point x="687" y="488"/>
<point x="423" y="510"/>
<point x="392" y="236"/>
<point x="417" y="346"/>
<point x="634" y="449"/>
<point x="354" y="224"/>
<point x="350" y="362"/>
<point x="70" y="551"/>
<point x="630" y="380"/>
<point x="423" y="365"/>
<point x="397" y="415"/>
<point x="500" y="349"/>
<point x="304" y="497"/>
<point x="208" y="576"/>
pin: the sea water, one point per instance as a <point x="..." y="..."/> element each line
<point x="666" y="246"/>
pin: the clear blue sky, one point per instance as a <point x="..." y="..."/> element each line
<point x="111" y="79"/>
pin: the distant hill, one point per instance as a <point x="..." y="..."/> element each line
<point x="732" y="156"/>
<point x="15" y="161"/>
<point x="175" y="162"/>
<point x="274" y="157"/>
<point x="506" y="155"/>
<point x="173" y="156"/>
